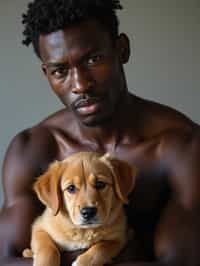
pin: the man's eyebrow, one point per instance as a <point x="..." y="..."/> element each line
<point x="94" y="51"/>
<point x="83" y="57"/>
<point x="90" y="53"/>
<point x="54" y="64"/>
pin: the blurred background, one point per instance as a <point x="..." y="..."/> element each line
<point x="164" y="67"/>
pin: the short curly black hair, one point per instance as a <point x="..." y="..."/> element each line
<point x="46" y="16"/>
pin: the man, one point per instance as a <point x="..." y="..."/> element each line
<point x="82" y="56"/>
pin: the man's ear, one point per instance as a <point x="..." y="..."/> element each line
<point x="44" y="68"/>
<point x="47" y="187"/>
<point x="124" y="176"/>
<point x="123" y="46"/>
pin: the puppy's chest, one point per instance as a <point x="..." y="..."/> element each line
<point x="75" y="239"/>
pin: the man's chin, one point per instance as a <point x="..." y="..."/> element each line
<point x="95" y="121"/>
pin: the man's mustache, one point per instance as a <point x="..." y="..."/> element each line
<point x="85" y="100"/>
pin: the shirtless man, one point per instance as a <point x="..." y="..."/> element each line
<point x="82" y="56"/>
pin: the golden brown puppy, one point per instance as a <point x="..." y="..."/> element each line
<point x="84" y="196"/>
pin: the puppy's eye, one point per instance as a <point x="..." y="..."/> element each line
<point x="71" y="189"/>
<point x="100" y="185"/>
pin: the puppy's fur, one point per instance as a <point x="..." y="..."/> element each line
<point x="84" y="197"/>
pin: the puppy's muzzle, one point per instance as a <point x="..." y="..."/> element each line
<point x="88" y="213"/>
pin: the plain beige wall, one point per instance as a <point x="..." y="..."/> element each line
<point x="165" y="62"/>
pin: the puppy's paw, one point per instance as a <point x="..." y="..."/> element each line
<point x="27" y="253"/>
<point x="74" y="263"/>
<point x="84" y="260"/>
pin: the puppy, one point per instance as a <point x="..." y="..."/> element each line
<point x="84" y="197"/>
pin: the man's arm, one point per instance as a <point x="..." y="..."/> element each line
<point x="9" y="224"/>
<point x="177" y="237"/>
<point x="28" y="153"/>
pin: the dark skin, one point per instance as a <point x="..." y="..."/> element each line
<point x="84" y="67"/>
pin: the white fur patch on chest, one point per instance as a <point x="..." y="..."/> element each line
<point x="79" y="240"/>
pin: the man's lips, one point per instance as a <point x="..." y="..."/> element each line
<point x="85" y="102"/>
<point x="87" y="106"/>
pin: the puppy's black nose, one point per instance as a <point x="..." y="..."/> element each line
<point x="88" y="212"/>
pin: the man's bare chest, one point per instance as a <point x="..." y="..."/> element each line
<point x="151" y="191"/>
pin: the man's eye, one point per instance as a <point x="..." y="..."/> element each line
<point x="94" y="59"/>
<point x="60" y="72"/>
<point x="100" y="185"/>
<point x="71" y="189"/>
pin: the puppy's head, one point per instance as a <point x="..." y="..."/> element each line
<point x="88" y="186"/>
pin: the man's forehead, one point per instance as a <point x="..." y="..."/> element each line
<point x="84" y="36"/>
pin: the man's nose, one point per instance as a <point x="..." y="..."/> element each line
<point x="81" y="81"/>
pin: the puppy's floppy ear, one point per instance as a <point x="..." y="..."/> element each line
<point x="124" y="176"/>
<point x="47" y="187"/>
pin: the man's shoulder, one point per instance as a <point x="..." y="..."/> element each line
<point x="37" y="141"/>
<point x="157" y="118"/>
<point x="31" y="145"/>
<point x="42" y="133"/>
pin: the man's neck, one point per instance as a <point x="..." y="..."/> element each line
<point x="110" y="132"/>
